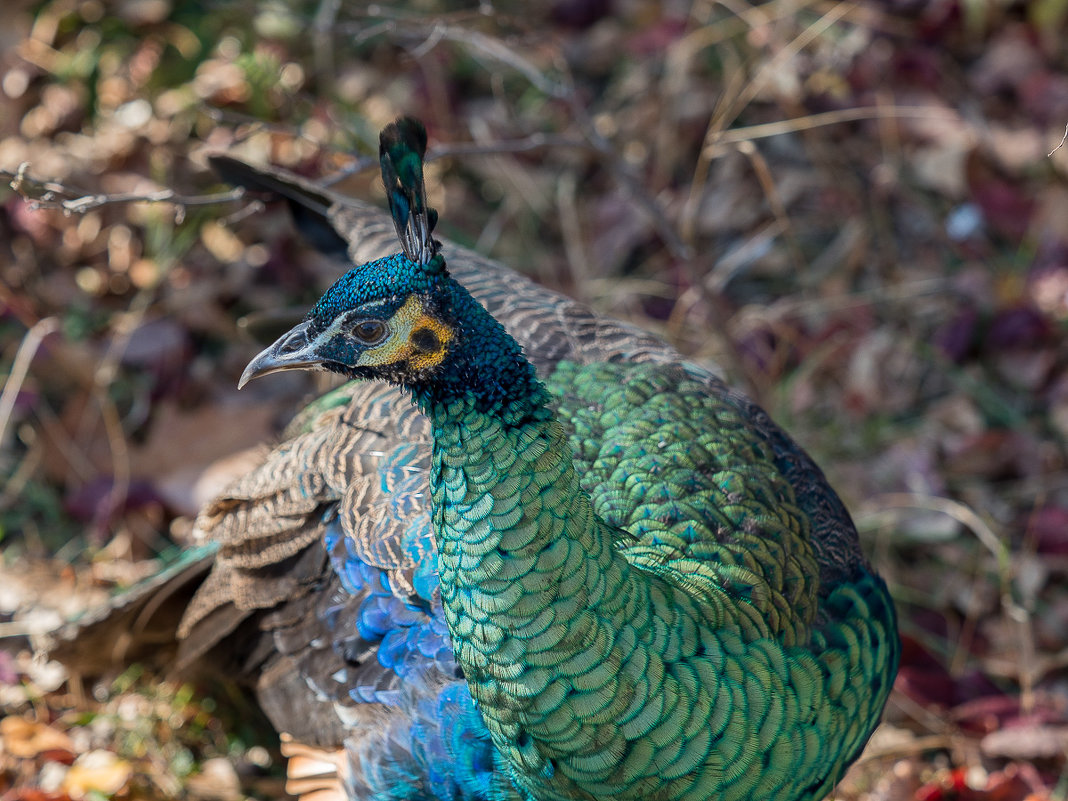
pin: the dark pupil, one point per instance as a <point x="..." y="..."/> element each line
<point x="369" y="330"/>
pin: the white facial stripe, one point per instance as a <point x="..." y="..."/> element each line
<point x="341" y="322"/>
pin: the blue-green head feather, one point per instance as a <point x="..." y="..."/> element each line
<point x="403" y="318"/>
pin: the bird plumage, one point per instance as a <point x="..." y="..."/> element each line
<point x="577" y="567"/>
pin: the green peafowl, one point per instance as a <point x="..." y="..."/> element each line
<point x="539" y="556"/>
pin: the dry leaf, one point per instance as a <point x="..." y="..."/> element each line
<point x="1027" y="742"/>
<point x="27" y="738"/>
<point x="97" y="772"/>
<point x="217" y="781"/>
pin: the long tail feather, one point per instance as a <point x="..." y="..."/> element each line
<point x="402" y="146"/>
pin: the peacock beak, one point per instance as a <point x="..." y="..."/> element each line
<point x="294" y="350"/>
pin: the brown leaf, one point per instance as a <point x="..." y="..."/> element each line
<point x="1007" y="205"/>
<point x="28" y="738"/>
<point x="217" y="781"/>
<point x="97" y="772"/>
<point x="207" y="434"/>
<point x="1008" y="60"/>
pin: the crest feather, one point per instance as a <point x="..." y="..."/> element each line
<point x="402" y="145"/>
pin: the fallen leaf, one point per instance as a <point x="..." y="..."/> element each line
<point x="1048" y="528"/>
<point x="96" y="772"/>
<point x="217" y="781"/>
<point x="28" y="738"/>
<point x="8" y="672"/>
<point x="1009" y="59"/>
<point x="1029" y="742"/>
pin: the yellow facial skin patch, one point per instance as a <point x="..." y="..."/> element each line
<point x="417" y="338"/>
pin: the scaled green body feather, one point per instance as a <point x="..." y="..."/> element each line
<point x="680" y="659"/>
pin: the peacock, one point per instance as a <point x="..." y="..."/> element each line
<point x="527" y="552"/>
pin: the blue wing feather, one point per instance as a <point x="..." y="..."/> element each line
<point x="437" y="746"/>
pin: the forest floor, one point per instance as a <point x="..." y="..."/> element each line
<point x="858" y="210"/>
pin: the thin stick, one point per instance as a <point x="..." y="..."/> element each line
<point x="772" y="68"/>
<point x="1060" y="143"/>
<point x="21" y="366"/>
<point x="1018" y="614"/>
<point x="807" y="123"/>
<point x="52" y="195"/>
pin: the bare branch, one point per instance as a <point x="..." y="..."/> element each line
<point x="54" y="195"/>
<point x="27" y="350"/>
<point x="717" y="145"/>
<point x="1060" y="144"/>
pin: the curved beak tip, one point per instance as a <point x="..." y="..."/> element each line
<point x="291" y="351"/>
<point x="263" y="363"/>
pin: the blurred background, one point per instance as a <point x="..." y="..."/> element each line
<point x="857" y="210"/>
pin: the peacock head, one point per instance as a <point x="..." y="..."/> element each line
<point x="392" y="319"/>
<point x="403" y="318"/>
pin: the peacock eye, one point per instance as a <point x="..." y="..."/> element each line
<point x="370" y="332"/>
